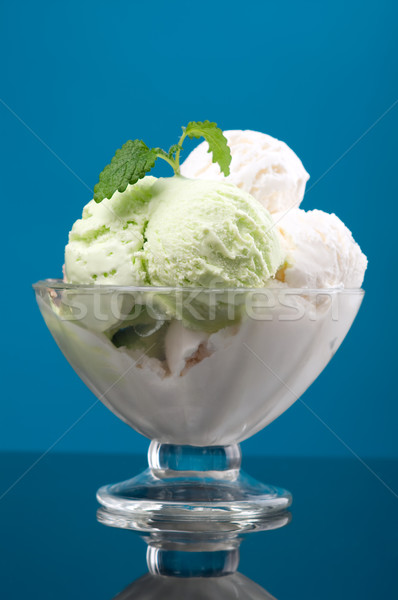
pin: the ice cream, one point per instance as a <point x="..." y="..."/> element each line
<point x="261" y="165"/>
<point x="175" y="232"/>
<point x="210" y="390"/>
<point x="208" y="232"/>
<point x="320" y="250"/>
<point x="103" y="243"/>
<point x="182" y="347"/>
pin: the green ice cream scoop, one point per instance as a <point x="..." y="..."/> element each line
<point x="208" y="234"/>
<point x="104" y="242"/>
<point x="175" y="232"/>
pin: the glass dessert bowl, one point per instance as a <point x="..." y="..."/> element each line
<point x="196" y="371"/>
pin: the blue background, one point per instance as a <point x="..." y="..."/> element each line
<point x="85" y="76"/>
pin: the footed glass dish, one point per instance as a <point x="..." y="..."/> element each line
<point x="196" y="371"/>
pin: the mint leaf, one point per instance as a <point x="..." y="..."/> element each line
<point x="130" y="163"/>
<point x="218" y="145"/>
<point x="134" y="159"/>
<point x="173" y="149"/>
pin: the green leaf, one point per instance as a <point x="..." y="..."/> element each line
<point x="173" y="149"/>
<point x="131" y="162"/>
<point x="134" y="159"/>
<point x="218" y="144"/>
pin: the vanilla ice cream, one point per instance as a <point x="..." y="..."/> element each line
<point x="261" y="165"/>
<point x="320" y="250"/>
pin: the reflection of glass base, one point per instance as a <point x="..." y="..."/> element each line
<point x="192" y="489"/>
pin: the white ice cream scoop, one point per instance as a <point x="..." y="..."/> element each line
<point x="321" y="252"/>
<point x="261" y="165"/>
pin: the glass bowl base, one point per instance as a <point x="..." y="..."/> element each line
<point x="177" y="493"/>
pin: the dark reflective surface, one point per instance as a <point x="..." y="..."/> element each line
<point x="341" y="543"/>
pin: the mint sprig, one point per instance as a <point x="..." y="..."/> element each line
<point x="134" y="159"/>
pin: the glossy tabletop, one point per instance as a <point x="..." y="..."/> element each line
<point x="342" y="541"/>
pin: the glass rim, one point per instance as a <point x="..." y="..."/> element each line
<point x="59" y="284"/>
